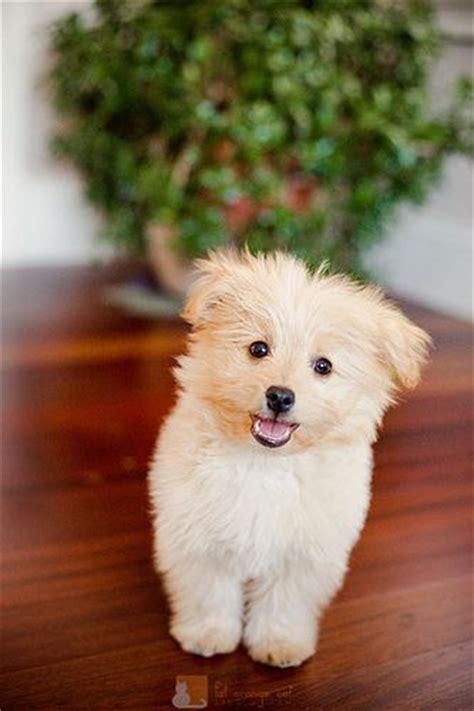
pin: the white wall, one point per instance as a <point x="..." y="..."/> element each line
<point x="427" y="256"/>
<point x="428" y="253"/>
<point x="45" y="218"/>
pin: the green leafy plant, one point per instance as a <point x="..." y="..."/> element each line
<point x="299" y="125"/>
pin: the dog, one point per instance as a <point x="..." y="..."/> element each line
<point x="261" y="480"/>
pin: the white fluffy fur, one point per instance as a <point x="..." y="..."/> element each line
<point x="254" y="542"/>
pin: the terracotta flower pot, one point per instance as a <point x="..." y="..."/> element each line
<point x="173" y="272"/>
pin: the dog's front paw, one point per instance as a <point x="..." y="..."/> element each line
<point x="281" y="652"/>
<point x="207" y="639"/>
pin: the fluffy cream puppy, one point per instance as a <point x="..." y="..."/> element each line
<point x="261" y="480"/>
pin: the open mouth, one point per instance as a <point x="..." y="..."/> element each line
<point x="272" y="432"/>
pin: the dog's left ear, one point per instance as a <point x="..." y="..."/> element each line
<point x="403" y="345"/>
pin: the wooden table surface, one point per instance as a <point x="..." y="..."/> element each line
<point x="85" y="388"/>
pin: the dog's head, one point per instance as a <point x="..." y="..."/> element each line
<point x="280" y="356"/>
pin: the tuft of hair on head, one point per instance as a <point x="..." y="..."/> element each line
<point x="214" y="287"/>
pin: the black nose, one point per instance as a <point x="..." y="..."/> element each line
<point x="280" y="399"/>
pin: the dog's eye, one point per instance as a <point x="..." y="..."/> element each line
<point x="259" y="349"/>
<point x="322" y="366"/>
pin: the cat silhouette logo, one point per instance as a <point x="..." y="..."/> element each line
<point x="190" y="692"/>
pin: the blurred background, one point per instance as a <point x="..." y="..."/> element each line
<point x="137" y="134"/>
<point x="323" y="133"/>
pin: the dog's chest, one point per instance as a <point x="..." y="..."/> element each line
<point x="261" y="511"/>
<point x="267" y="511"/>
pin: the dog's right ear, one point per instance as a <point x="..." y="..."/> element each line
<point x="210" y="288"/>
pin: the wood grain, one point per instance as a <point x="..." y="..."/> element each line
<point x="84" y="618"/>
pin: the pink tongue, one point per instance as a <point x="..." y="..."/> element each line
<point x="273" y="428"/>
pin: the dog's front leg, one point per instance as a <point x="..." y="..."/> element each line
<point x="281" y="625"/>
<point x="206" y="601"/>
